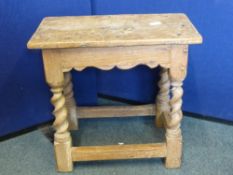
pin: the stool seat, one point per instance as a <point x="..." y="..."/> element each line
<point x="122" y="41"/>
<point x="114" y="30"/>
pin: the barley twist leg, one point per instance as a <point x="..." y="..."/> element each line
<point x="173" y="131"/>
<point x="62" y="138"/>
<point x="162" y="100"/>
<point x="70" y="102"/>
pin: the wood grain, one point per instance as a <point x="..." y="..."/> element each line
<point x="173" y="130"/>
<point x="62" y="138"/>
<point x="163" y="97"/>
<point x="122" y="41"/>
<point x="70" y="101"/>
<point x="115" y="152"/>
<point x="114" y="30"/>
<point x="108" y="58"/>
<point x="63" y="156"/>
<point x="116" y="111"/>
<point x="178" y="62"/>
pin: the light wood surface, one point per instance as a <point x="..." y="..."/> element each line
<point x="63" y="157"/>
<point x="70" y="101"/>
<point x="62" y="138"/>
<point x="178" y="62"/>
<point x="122" y="41"/>
<point x="114" y="30"/>
<point x="163" y="97"/>
<point x="116" y="111"/>
<point x="173" y="130"/>
<point x="114" y="152"/>
<point x="108" y="58"/>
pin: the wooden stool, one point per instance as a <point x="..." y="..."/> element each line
<point x="122" y="41"/>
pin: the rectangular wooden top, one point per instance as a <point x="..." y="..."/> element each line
<point x="114" y="30"/>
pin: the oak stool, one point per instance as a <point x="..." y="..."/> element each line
<point x="122" y="41"/>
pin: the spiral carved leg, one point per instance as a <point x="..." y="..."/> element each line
<point x="62" y="138"/>
<point x="70" y="102"/>
<point x="162" y="100"/>
<point x="173" y="131"/>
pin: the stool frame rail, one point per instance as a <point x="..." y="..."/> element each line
<point x="172" y="60"/>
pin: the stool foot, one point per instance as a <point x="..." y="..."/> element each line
<point x="174" y="153"/>
<point x="63" y="155"/>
